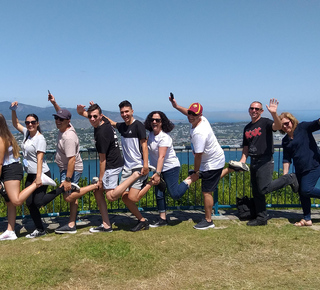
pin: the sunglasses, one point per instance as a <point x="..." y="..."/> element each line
<point x="94" y="116"/>
<point x="30" y="122"/>
<point x="155" y="119"/>
<point x="192" y="113"/>
<point x="286" y="124"/>
<point x="255" y="109"/>
<point x="58" y="118"/>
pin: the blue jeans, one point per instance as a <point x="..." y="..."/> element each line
<point x="307" y="182"/>
<point x="75" y="177"/>
<point x="176" y="190"/>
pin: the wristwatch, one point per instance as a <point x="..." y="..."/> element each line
<point x="158" y="172"/>
<point x="68" y="179"/>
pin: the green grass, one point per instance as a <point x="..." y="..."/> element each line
<point x="231" y="256"/>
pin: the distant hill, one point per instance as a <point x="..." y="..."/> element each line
<point x="46" y="118"/>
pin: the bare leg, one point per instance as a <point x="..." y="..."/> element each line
<point x="77" y="194"/>
<point x="131" y="205"/>
<point x="73" y="213"/>
<point x="103" y="208"/>
<point x="226" y="171"/>
<point x="208" y="204"/>
<point x="11" y="216"/>
<point x="113" y="195"/>
<point x="163" y="215"/>
<point x="13" y="190"/>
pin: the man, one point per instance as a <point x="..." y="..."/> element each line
<point x="135" y="154"/>
<point x="208" y="157"/>
<point x="68" y="160"/>
<point x="110" y="160"/>
<point x="258" y="144"/>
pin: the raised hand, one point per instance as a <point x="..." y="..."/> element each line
<point x="81" y="109"/>
<point x="273" y="105"/>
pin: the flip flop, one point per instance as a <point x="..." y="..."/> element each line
<point x="303" y="223"/>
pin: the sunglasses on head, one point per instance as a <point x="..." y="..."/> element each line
<point x="255" y="109"/>
<point x="58" y="118"/>
<point x="286" y="124"/>
<point x="94" y="116"/>
<point x="192" y="113"/>
<point x="30" y="122"/>
<point x="156" y="119"/>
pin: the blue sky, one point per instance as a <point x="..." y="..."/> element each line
<point x="223" y="54"/>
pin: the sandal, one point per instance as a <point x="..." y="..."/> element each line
<point x="303" y="223"/>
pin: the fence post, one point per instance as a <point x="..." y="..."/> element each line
<point x="216" y="202"/>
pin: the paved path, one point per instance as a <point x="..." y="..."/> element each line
<point x="127" y="220"/>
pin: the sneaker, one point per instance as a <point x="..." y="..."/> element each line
<point x="257" y="222"/>
<point x="36" y="233"/>
<point x="74" y="187"/>
<point x="3" y="192"/>
<point x="100" y="228"/>
<point x="46" y="180"/>
<point x="162" y="185"/>
<point x="238" y="166"/>
<point x="204" y="225"/>
<point x="8" y="236"/>
<point x="191" y="171"/>
<point x="152" y="168"/>
<point x="66" y="230"/>
<point x="295" y="184"/>
<point x="95" y="180"/>
<point x="160" y="223"/>
<point x="140" y="226"/>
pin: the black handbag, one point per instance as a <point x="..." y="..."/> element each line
<point x="246" y="208"/>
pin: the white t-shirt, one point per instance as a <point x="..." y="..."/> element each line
<point x="204" y="141"/>
<point x="162" y="140"/>
<point x="9" y="158"/>
<point x="30" y="148"/>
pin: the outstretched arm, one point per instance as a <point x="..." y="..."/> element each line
<point x="181" y="109"/>
<point x="272" y="108"/>
<point x="15" y="121"/>
<point x="53" y="102"/>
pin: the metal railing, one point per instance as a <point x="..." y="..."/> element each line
<point x="230" y="187"/>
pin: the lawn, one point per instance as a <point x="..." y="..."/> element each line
<point x="230" y="256"/>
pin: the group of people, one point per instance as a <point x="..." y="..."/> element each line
<point x="155" y="153"/>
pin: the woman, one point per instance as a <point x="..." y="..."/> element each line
<point x="10" y="174"/>
<point x="300" y="146"/>
<point x="34" y="148"/>
<point x="163" y="157"/>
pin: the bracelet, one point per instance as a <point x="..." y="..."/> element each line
<point x="158" y="172"/>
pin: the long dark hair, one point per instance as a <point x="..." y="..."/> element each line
<point x="38" y="128"/>
<point x="167" y="125"/>
<point x="8" y="138"/>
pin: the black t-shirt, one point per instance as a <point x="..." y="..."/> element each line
<point x="259" y="138"/>
<point x="107" y="143"/>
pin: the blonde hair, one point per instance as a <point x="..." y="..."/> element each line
<point x="8" y="138"/>
<point x="292" y="119"/>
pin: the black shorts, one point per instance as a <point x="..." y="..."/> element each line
<point x="12" y="171"/>
<point x="210" y="180"/>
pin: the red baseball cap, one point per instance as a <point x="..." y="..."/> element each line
<point x="196" y="108"/>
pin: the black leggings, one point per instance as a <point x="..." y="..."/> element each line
<point x="39" y="198"/>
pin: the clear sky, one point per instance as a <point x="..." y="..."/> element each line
<point x="223" y="54"/>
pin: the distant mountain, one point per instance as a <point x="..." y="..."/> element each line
<point x="45" y="115"/>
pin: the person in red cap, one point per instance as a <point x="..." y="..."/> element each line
<point x="209" y="157"/>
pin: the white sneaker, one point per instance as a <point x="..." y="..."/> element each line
<point x="75" y="187"/>
<point x="46" y="180"/>
<point x="238" y="166"/>
<point x="95" y="180"/>
<point x="8" y="236"/>
<point x="152" y="168"/>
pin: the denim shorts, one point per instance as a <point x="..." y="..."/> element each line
<point x="75" y="177"/>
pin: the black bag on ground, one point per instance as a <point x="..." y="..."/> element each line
<point x="246" y="209"/>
